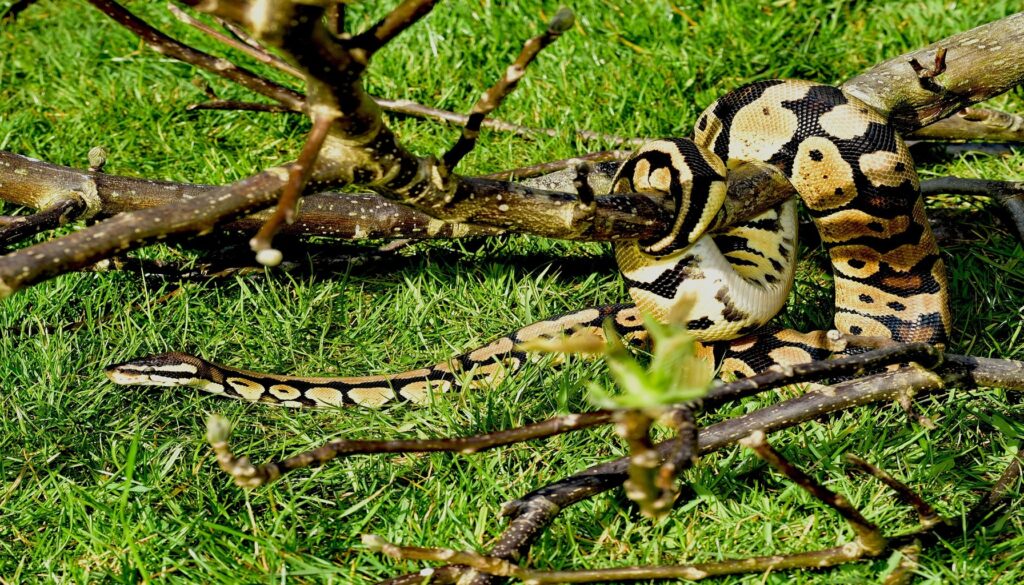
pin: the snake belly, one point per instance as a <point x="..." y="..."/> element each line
<point x="854" y="176"/>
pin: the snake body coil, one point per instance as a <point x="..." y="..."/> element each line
<point x="855" y="177"/>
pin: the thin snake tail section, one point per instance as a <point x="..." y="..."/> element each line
<point x="485" y="366"/>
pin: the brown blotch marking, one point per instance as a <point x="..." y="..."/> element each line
<point x="419" y="392"/>
<point x="371" y="397"/>
<point x="855" y="261"/>
<point x="285" y="392"/>
<point x="742" y="345"/>
<point x="246" y="388"/>
<point x="907" y="282"/>
<point x="491" y="350"/>
<point x="821" y="176"/>
<point x="729" y="311"/>
<point x="326" y="396"/>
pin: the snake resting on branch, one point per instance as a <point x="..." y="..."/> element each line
<point x="855" y="177"/>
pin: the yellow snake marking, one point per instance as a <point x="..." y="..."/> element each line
<point x="207" y="386"/>
<point x="292" y="404"/>
<point x="789" y="355"/>
<point x="419" y="392"/>
<point x="846" y="121"/>
<point x="823" y="178"/>
<point x="499" y="347"/>
<point x="247" y="389"/>
<point x="326" y="396"/>
<point x="372" y="397"/>
<point x="759" y="129"/>
<point x="629" y="317"/>
<point x="890" y="169"/>
<point x="446" y="367"/>
<point x="285" y="392"/>
<point x="814" y="339"/>
<point x="639" y="338"/>
<point x="182" y="367"/>
<point x="845" y="321"/>
<point x="553" y="327"/>
<point x="737" y="367"/>
<point x="744" y="346"/>
<point x="490" y="375"/>
<point x="842" y="225"/>
<point x="874" y="301"/>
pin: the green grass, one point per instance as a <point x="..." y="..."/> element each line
<point x="100" y="483"/>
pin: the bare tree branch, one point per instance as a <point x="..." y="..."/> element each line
<point x="1009" y="193"/>
<point x="165" y="45"/>
<point x="530" y="514"/>
<point x="492" y="98"/>
<point x="974" y="124"/>
<point x="978" y="64"/>
<point x="252" y="49"/>
<point x="298" y="174"/>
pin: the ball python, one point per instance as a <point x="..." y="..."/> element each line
<point x="856" y="179"/>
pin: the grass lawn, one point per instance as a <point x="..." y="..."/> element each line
<point x="100" y="483"/>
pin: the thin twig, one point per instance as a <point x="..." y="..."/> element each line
<point x="298" y="174"/>
<point x="410" y="108"/>
<point x="16" y="229"/>
<point x="246" y="474"/>
<point x="492" y="98"/>
<point x="557" y="165"/>
<point x="974" y="124"/>
<point x="255" y="51"/>
<point x="165" y="45"/>
<point x="406" y="14"/>
<point x="868" y="536"/>
<point x="926" y="514"/>
<point x="239" y="106"/>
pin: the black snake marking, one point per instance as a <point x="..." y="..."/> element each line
<point x="854" y="175"/>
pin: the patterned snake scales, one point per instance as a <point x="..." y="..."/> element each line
<point x="856" y="179"/>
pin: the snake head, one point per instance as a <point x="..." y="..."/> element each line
<point x="165" y="369"/>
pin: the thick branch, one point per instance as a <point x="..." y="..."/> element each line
<point x="979" y="64"/>
<point x="978" y="124"/>
<point x="132" y="229"/>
